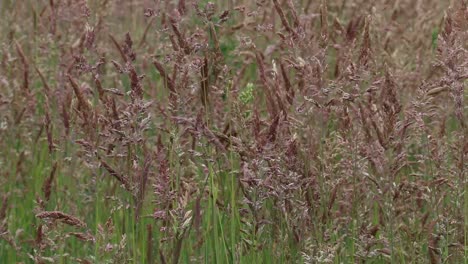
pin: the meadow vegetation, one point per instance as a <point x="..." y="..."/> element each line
<point x="235" y="131"/>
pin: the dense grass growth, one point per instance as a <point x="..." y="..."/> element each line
<point x="236" y="131"/>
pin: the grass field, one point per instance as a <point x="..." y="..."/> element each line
<point x="236" y="131"/>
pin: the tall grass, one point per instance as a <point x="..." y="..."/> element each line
<point x="233" y="131"/>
